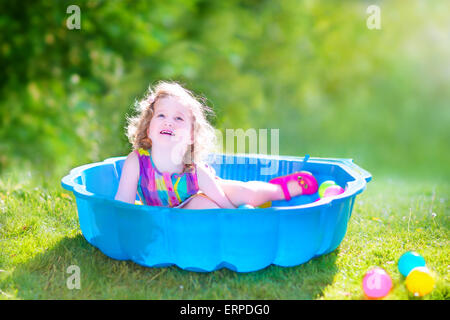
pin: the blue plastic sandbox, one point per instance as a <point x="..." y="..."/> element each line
<point x="287" y="234"/>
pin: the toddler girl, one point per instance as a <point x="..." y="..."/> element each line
<point x="171" y="136"/>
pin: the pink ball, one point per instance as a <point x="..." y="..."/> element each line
<point x="377" y="283"/>
<point x="333" y="191"/>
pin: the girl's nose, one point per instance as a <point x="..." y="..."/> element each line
<point x="168" y="123"/>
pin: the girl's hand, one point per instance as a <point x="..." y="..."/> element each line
<point x="129" y="179"/>
<point x="207" y="183"/>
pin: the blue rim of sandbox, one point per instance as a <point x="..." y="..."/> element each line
<point x="355" y="187"/>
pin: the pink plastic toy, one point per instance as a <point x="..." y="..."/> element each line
<point x="377" y="283"/>
<point x="333" y="191"/>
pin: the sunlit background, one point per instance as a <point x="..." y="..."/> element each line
<point x="312" y="69"/>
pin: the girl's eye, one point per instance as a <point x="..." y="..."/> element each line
<point x="179" y="118"/>
<point x="160" y="115"/>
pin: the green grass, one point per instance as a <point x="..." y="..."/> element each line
<point x="40" y="239"/>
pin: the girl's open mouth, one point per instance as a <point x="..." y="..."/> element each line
<point x="168" y="132"/>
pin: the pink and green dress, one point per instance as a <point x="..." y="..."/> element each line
<point x="161" y="188"/>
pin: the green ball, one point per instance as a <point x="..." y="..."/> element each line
<point x="324" y="185"/>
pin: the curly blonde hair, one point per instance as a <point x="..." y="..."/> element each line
<point x="204" y="134"/>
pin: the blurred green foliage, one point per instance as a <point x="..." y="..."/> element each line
<point x="311" y="68"/>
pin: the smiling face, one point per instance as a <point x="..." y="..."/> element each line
<point x="171" y="124"/>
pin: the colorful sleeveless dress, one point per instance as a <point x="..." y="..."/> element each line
<point x="161" y="188"/>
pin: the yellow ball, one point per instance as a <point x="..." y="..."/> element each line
<point x="420" y="281"/>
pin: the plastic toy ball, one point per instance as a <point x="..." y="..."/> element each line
<point x="420" y="281"/>
<point x="246" y="206"/>
<point x="333" y="191"/>
<point x="409" y="261"/>
<point x="377" y="283"/>
<point x="324" y="185"/>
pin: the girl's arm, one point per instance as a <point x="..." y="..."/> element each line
<point x="129" y="179"/>
<point x="208" y="184"/>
